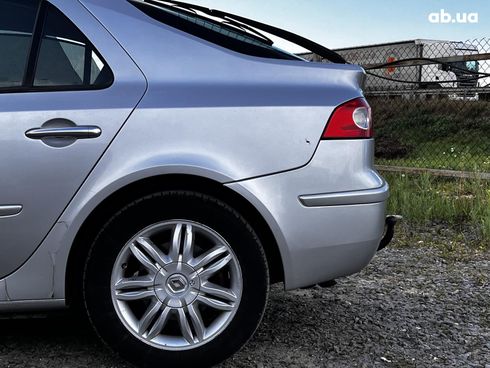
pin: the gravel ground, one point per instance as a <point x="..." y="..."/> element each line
<point x="412" y="307"/>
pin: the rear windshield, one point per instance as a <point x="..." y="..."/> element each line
<point x="224" y="35"/>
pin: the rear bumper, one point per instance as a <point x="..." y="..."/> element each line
<point x="331" y="234"/>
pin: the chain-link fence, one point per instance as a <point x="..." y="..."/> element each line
<point x="431" y="102"/>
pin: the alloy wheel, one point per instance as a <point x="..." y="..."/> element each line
<point x="176" y="285"/>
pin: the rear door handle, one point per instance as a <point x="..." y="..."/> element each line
<point x="75" y="132"/>
<point x="10" y="210"/>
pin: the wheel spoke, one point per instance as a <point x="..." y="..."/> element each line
<point x="215" y="303"/>
<point x="188" y="244"/>
<point x="159" y="324"/>
<point x="185" y="326"/>
<point x="158" y="256"/>
<point x="138" y="282"/>
<point x="174" y="253"/>
<point x="215" y="267"/>
<point x="143" y="259"/>
<point x="212" y="289"/>
<point x="149" y="316"/>
<point x="197" y="322"/>
<point x="135" y="295"/>
<point x="208" y="257"/>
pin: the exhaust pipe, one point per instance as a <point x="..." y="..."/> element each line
<point x="390" y="223"/>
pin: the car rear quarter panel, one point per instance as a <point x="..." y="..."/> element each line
<point x="245" y="116"/>
<point x="322" y="243"/>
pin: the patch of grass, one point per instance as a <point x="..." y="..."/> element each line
<point x="460" y="204"/>
<point x="443" y="154"/>
<point x="432" y="133"/>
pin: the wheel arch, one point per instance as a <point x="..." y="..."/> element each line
<point x="105" y="210"/>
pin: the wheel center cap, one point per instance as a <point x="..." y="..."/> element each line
<point x="177" y="284"/>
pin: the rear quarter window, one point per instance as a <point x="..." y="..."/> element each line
<point x="67" y="58"/>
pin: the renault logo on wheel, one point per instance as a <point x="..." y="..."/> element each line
<point x="177" y="283"/>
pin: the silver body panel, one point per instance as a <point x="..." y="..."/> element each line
<point x="249" y="123"/>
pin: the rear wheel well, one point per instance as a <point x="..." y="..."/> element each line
<point x="105" y="210"/>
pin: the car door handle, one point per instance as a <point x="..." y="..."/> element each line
<point x="10" y="210"/>
<point x="75" y="132"/>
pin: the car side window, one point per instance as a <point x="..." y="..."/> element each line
<point x="17" y="20"/>
<point x="66" y="58"/>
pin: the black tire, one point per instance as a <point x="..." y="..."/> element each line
<point x="155" y="208"/>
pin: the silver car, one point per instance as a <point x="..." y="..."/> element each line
<point x="162" y="164"/>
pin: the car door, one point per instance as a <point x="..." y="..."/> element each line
<point x="66" y="89"/>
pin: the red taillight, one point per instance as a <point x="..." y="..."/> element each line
<point x="350" y="120"/>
